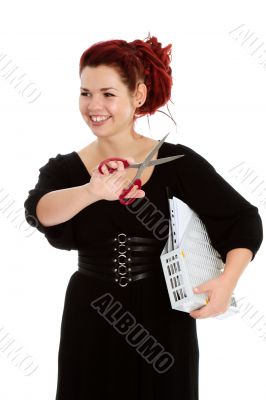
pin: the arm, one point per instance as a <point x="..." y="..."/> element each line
<point x="231" y="221"/>
<point x="58" y="201"/>
<point x="236" y="261"/>
<point x="220" y="289"/>
<point x="233" y="224"/>
<point x="59" y="206"/>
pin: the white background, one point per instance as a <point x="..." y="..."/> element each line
<point x="219" y="107"/>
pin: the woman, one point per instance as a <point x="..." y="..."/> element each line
<point x="119" y="334"/>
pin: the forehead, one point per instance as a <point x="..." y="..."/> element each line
<point x="94" y="78"/>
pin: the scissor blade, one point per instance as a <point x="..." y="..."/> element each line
<point x="164" y="160"/>
<point x="156" y="162"/>
<point x="154" y="150"/>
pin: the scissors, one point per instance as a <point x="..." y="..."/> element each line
<point x="141" y="166"/>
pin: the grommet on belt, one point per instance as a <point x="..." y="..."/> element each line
<point x="122" y="260"/>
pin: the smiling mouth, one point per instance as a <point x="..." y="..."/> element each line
<point x="96" y="124"/>
<point x="99" y="120"/>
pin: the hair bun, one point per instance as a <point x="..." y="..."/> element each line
<point x="164" y="54"/>
<point x="156" y="49"/>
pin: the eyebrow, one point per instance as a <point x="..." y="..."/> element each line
<point x="103" y="89"/>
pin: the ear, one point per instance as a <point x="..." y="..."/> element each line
<point x="141" y="94"/>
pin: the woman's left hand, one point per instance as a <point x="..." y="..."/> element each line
<point x="219" y="291"/>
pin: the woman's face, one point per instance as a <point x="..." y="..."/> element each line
<point x="113" y="102"/>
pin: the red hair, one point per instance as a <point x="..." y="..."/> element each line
<point x="134" y="61"/>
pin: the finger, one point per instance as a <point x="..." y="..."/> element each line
<point x="203" y="312"/>
<point x="141" y="193"/>
<point x="105" y="169"/>
<point x="121" y="166"/>
<point x="95" y="170"/>
<point x="118" y="178"/>
<point x="133" y="190"/>
<point x="128" y="193"/>
<point x="136" y="192"/>
<point x="118" y="167"/>
<point x="117" y="183"/>
<point x="112" y="164"/>
<point x="198" y="315"/>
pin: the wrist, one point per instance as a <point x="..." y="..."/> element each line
<point x="89" y="193"/>
<point x="229" y="279"/>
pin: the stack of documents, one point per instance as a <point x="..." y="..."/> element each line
<point x="188" y="259"/>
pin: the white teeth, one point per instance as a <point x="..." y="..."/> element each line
<point x="98" y="119"/>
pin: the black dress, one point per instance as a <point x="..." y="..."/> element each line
<point x="94" y="359"/>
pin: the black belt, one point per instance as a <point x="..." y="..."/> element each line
<point x="121" y="259"/>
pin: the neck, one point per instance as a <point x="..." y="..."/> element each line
<point x="118" y="145"/>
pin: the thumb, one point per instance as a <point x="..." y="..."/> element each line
<point x="200" y="289"/>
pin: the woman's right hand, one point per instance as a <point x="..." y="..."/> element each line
<point x="109" y="186"/>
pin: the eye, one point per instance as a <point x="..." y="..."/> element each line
<point x="86" y="93"/>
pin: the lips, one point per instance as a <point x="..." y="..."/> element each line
<point x="98" y="123"/>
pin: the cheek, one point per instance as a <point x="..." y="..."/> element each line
<point x="82" y="105"/>
<point x="120" y="109"/>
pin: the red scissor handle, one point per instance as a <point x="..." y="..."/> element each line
<point x="110" y="169"/>
<point x="126" y="191"/>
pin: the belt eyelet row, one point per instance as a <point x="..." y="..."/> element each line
<point x="122" y="259"/>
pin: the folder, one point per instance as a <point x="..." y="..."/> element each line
<point x="188" y="259"/>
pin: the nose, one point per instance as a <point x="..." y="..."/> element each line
<point x="94" y="104"/>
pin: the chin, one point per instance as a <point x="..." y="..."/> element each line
<point x="100" y="134"/>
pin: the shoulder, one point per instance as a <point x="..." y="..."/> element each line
<point x="191" y="157"/>
<point x="60" y="158"/>
<point x="58" y="163"/>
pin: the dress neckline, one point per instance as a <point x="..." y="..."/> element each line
<point x="149" y="181"/>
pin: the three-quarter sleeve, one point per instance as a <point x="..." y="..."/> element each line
<point x="231" y="221"/>
<point x="52" y="176"/>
